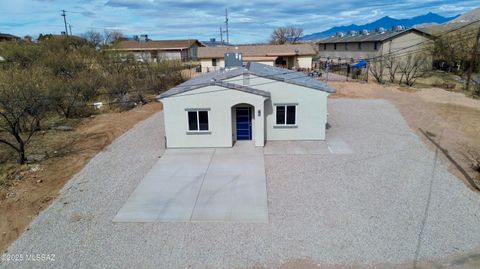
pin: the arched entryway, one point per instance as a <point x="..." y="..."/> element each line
<point x="243" y="122"/>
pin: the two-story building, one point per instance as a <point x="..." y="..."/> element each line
<point x="346" y="48"/>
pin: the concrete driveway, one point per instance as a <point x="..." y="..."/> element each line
<point x="202" y="185"/>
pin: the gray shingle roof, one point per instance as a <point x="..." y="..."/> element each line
<point x="216" y="79"/>
<point x="372" y="37"/>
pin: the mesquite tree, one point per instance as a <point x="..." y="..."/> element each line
<point x="23" y="105"/>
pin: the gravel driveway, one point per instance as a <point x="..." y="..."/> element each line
<point x="388" y="201"/>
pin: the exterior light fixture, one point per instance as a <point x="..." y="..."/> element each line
<point x="259" y="113"/>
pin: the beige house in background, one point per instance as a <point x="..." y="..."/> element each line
<point x="285" y="56"/>
<point x="363" y="45"/>
<point x="144" y="49"/>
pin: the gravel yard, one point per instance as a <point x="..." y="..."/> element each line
<point x="388" y="200"/>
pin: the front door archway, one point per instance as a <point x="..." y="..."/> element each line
<point x="243" y="117"/>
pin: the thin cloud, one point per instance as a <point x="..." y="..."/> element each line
<point x="250" y="21"/>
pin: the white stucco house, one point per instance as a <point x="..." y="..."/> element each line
<point x="252" y="102"/>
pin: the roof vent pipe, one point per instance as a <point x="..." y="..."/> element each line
<point x="246" y="79"/>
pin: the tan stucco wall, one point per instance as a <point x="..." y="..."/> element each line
<point x="304" y="62"/>
<point x="301" y="61"/>
<point x="208" y="67"/>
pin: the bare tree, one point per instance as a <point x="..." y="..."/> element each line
<point x="392" y="66"/>
<point x="23" y="105"/>
<point x="284" y="35"/>
<point x="110" y="37"/>
<point x="376" y="67"/>
<point x="412" y="67"/>
<point x="93" y="37"/>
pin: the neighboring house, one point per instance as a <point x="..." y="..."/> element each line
<point x="257" y="102"/>
<point x="286" y="56"/>
<point x="364" y="45"/>
<point x="8" y="37"/>
<point x="145" y="49"/>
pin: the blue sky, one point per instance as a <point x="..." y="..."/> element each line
<point x="250" y="21"/>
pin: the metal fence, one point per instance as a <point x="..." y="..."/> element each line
<point x="339" y="72"/>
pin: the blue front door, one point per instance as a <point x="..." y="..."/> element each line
<point x="244" y="123"/>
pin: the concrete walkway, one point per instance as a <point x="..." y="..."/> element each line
<point x="202" y="185"/>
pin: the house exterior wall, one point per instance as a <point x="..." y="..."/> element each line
<point x="193" y="52"/>
<point x="304" y="62"/>
<point x="219" y="101"/>
<point x="352" y="51"/>
<point x="404" y="42"/>
<point x="169" y="55"/>
<point x="367" y="49"/>
<point x="208" y="67"/>
<point x="311" y="109"/>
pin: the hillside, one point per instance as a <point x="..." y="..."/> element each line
<point x="385" y="22"/>
<point x="466" y="18"/>
<point x="470" y="16"/>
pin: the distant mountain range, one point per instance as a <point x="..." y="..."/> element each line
<point x="385" y="22"/>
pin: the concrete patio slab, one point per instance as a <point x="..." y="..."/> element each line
<point x="201" y="185"/>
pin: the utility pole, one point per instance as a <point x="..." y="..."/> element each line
<point x="473" y="60"/>
<point x="226" y="24"/>
<point x="221" y="35"/>
<point x="70" y="27"/>
<point x="65" y="21"/>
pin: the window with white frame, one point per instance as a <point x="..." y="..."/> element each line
<point x="198" y="121"/>
<point x="286" y="115"/>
